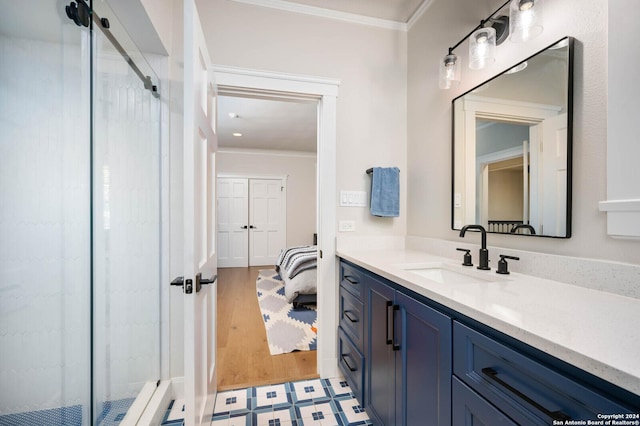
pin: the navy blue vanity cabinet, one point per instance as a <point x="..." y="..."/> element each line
<point x="351" y="360"/>
<point x="470" y="409"/>
<point x="408" y="358"/>
<point x="528" y="392"/>
<point x="380" y="373"/>
<point x="411" y="364"/>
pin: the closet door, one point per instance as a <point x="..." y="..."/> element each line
<point x="233" y="222"/>
<point x="267" y="220"/>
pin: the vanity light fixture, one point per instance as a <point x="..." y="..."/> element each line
<point x="449" y="71"/>
<point x="237" y="134"/>
<point x="491" y="32"/>
<point x="526" y="20"/>
<point x="482" y="48"/>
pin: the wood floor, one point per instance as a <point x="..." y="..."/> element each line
<point x="243" y="358"/>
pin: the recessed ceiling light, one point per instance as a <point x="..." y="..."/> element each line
<point x="237" y="134"/>
<point x="233" y="115"/>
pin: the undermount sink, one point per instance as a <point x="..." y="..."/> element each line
<point x="450" y="274"/>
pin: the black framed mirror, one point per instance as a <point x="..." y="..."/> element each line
<point x="512" y="148"/>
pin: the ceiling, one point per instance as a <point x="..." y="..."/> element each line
<point x="267" y="124"/>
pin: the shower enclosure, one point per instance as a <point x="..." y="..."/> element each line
<point x="80" y="216"/>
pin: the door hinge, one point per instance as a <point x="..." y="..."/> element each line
<point x="320" y="254"/>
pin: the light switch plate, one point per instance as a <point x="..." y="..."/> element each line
<point x="353" y="198"/>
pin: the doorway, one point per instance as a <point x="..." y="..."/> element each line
<point x="324" y="92"/>
<point x="252" y="219"/>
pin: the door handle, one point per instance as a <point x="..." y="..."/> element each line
<point x="187" y="285"/>
<point x="253" y="227"/>
<point x="200" y="281"/>
<point x="244" y="227"/>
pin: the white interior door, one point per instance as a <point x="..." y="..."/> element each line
<point x="554" y="175"/>
<point x="200" y="143"/>
<point x="267" y="220"/>
<point x="233" y="222"/>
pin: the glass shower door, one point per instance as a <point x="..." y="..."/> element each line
<point x="126" y="225"/>
<point x="45" y="254"/>
<point x="79" y="219"/>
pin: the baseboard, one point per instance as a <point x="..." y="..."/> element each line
<point x="177" y="388"/>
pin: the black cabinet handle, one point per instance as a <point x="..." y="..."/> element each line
<point x="351" y="279"/>
<point x="344" y="359"/>
<point x="389" y="305"/>
<point x="349" y="316"/>
<point x="244" y="227"/>
<point x="393" y="336"/>
<point x="493" y="375"/>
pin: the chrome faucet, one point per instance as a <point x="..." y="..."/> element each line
<point x="484" y="253"/>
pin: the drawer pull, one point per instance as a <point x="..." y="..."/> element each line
<point x="351" y="280"/>
<point x="350" y="317"/>
<point x="493" y="375"/>
<point x="344" y="359"/>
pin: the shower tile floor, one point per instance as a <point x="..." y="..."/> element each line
<point x="322" y="402"/>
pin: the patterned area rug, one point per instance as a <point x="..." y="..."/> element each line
<point x="288" y="329"/>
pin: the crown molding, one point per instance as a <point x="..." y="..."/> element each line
<point x="267" y="152"/>
<point x="418" y="13"/>
<point x="331" y="14"/>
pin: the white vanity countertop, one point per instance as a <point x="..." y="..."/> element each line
<point x="596" y="331"/>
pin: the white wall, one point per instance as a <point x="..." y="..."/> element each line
<point x="300" y="170"/>
<point x="370" y="63"/>
<point x="429" y="121"/>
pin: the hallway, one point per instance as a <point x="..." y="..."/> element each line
<point x="243" y="358"/>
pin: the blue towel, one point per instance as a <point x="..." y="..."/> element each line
<point x="385" y="192"/>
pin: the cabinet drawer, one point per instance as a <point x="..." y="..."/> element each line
<point x="352" y="317"/>
<point x="525" y="390"/>
<point x="351" y="363"/>
<point x="470" y="409"/>
<point x="352" y="279"/>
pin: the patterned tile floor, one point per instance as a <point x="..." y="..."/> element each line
<point x="320" y="402"/>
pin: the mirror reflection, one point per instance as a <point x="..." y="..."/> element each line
<point x="512" y="148"/>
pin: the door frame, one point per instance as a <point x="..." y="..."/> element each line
<point x="502" y="110"/>
<point x="246" y="81"/>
